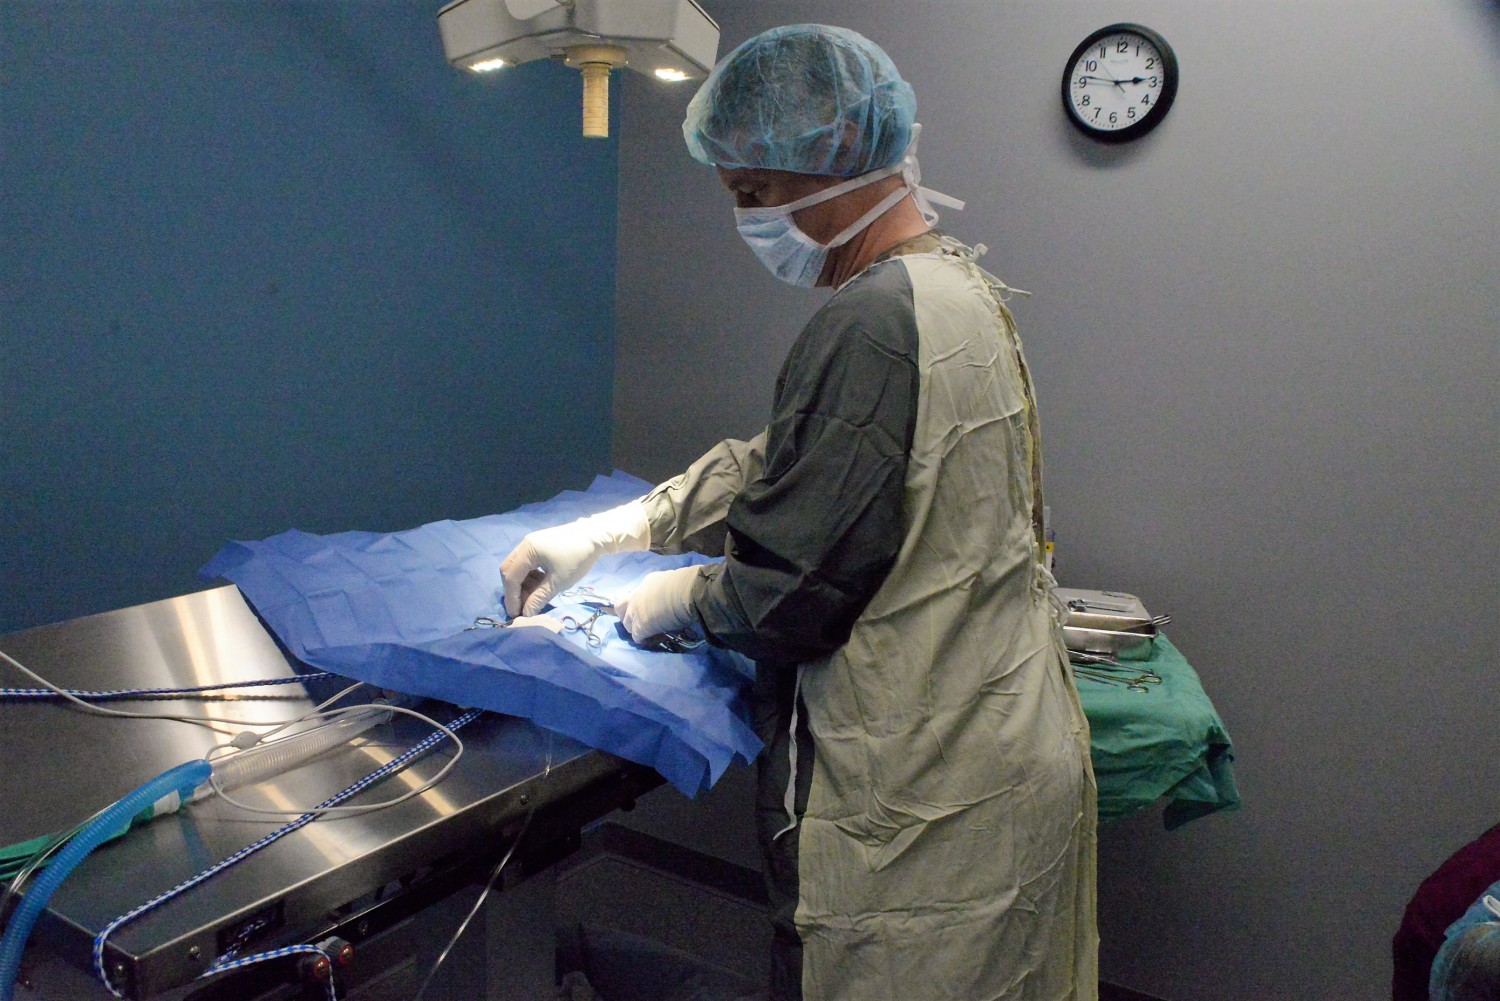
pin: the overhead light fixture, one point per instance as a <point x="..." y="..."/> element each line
<point x="675" y="38"/>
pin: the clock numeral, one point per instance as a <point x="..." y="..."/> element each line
<point x="1083" y="81"/>
<point x="1122" y="47"/>
<point x="1146" y="100"/>
<point x="1114" y="118"/>
<point x="1130" y="113"/>
<point x="1151" y="64"/>
<point x="1085" y="102"/>
<point x="1153" y="82"/>
<point x="1091" y="67"/>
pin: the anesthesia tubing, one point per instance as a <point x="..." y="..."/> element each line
<point x="181" y="780"/>
<point x="179" y="784"/>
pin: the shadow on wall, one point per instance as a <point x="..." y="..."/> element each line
<point x="420" y="133"/>
<point x="1102" y="155"/>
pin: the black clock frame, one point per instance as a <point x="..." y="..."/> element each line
<point x="1164" y="100"/>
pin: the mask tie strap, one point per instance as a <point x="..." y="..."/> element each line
<point x="887" y="203"/>
<point x="858" y="181"/>
<point x="925" y="198"/>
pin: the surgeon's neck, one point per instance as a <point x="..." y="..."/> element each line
<point x="900" y="224"/>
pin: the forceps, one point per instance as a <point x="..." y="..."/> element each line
<point x="601" y="604"/>
<point x="1110" y="671"/>
<point x="1129" y="684"/>
<point x="591" y="639"/>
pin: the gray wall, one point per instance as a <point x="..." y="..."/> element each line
<point x="276" y="265"/>
<point x="1265" y="339"/>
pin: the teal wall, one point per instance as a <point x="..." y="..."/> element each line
<point x="275" y="265"/>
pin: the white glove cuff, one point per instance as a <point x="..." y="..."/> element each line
<point x="623" y="529"/>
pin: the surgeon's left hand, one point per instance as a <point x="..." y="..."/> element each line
<point x="661" y="604"/>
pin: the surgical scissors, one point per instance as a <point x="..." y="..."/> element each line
<point x="489" y="622"/>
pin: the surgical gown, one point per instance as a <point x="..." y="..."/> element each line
<point x="926" y="804"/>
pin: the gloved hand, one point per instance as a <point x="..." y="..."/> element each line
<point x="562" y="555"/>
<point x="662" y="603"/>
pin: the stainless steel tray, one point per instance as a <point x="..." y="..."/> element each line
<point x="1107" y="622"/>
<point x="1125" y="645"/>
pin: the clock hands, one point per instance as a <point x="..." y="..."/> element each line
<point x="1117" y="83"/>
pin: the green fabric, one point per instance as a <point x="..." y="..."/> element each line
<point x="1166" y="743"/>
<point x="14" y="858"/>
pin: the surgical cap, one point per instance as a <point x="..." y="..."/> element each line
<point x="808" y="98"/>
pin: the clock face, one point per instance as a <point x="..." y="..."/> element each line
<point x="1120" y="82"/>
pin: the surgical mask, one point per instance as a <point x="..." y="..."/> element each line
<point x="798" y="259"/>
<point x="792" y="255"/>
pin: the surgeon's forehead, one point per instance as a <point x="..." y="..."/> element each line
<point x="738" y="178"/>
<point x="758" y="186"/>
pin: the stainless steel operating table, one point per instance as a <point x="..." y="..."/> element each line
<point x="387" y="882"/>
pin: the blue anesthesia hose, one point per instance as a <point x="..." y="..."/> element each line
<point x="182" y="779"/>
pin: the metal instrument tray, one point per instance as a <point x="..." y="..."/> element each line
<point x="1107" y="622"/>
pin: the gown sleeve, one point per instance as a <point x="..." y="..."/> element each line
<point x="812" y="537"/>
<point x="687" y="512"/>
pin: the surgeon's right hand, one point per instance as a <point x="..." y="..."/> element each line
<point x="554" y="559"/>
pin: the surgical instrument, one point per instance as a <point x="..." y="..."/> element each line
<point x="592" y="640"/>
<point x="602" y="605"/>
<point x="1115" y="668"/>
<point x="1083" y="605"/>
<point x="488" y="622"/>
<point x="1129" y="684"/>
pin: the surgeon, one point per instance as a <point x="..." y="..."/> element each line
<point x="925" y="801"/>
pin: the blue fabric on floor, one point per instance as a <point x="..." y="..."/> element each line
<point x="394" y="610"/>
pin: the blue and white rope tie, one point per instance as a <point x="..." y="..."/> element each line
<point x="389" y="768"/>
<point x="154" y="693"/>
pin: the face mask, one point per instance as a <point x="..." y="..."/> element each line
<point x="796" y="258"/>
<point x="792" y="255"/>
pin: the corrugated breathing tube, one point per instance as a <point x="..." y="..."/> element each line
<point x="182" y="779"/>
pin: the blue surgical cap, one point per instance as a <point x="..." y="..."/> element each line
<point x="808" y="98"/>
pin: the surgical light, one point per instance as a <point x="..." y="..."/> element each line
<point x="672" y="39"/>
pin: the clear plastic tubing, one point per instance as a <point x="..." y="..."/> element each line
<point x="256" y="764"/>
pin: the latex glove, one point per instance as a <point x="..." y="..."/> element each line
<point x="551" y="560"/>
<point x="662" y="603"/>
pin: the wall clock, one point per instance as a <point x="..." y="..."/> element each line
<point x="1120" y="82"/>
